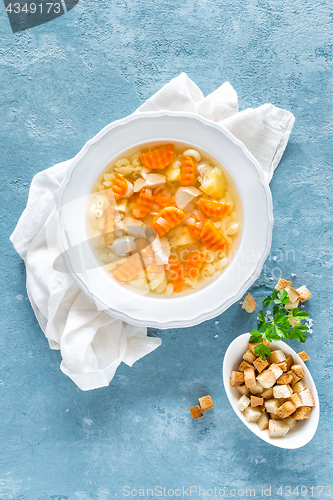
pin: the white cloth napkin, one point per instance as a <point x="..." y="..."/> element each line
<point x="92" y="343"/>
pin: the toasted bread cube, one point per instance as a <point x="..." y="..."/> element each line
<point x="243" y="403"/>
<point x="256" y="389"/>
<point x="282" y="284"/>
<point x="303" y="293"/>
<point x="277" y="429"/>
<point x="236" y="379"/>
<point x="260" y="364"/>
<point x="295" y="400"/>
<point x="285" y="410"/>
<point x="266" y="378"/>
<point x="267" y="393"/>
<point x="249" y="356"/>
<point x="252" y="345"/>
<point x="299" y="386"/>
<point x="282" y="391"/>
<point x="262" y="407"/>
<point x="196" y="412"/>
<point x="286" y="378"/>
<point x="290" y="422"/>
<point x="249" y="304"/>
<point x="291" y="305"/>
<point x="289" y="362"/>
<point x="274" y="416"/>
<point x="272" y="405"/>
<point x="303" y="356"/>
<point x="277" y="356"/>
<point x="252" y="414"/>
<point x="242" y="389"/>
<point x="255" y="401"/>
<point x="298" y="370"/>
<point x="250" y="377"/>
<point x="263" y="421"/>
<point x="306" y="398"/>
<point x="292" y="294"/>
<point x="277" y="372"/>
<point x="243" y="365"/>
<point x="301" y="413"/>
<point x="206" y="403"/>
<point x="294" y="376"/>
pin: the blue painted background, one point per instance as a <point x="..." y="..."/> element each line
<point x="60" y="84"/>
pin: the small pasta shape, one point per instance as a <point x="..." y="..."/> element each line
<point x="161" y="288"/>
<point x="169" y="290"/>
<point x="101" y="186"/>
<point x="104" y="257"/>
<point x="121" y="162"/>
<point x="107" y="184"/>
<point x="158" y="158"/>
<point x="136" y="163"/>
<point x="135" y="156"/>
<point x="99" y="212"/>
<point x="220" y="264"/>
<point x="92" y="210"/>
<point x="234" y="216"/>
<point x="101" y="223"/>
<point x="128" y="169"/>
<point x="193" y="153"/>
<point x="189" y="171"/>
<point x="108" y="177"/>
<point x="232" y="228"/>
<point x="110" y="267"/>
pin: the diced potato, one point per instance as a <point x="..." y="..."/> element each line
<point x="214" y="184"/>
<point x="173" y="172"/>
<point x="185" y="238"/>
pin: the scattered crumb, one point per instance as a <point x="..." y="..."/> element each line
<point x="249" y="304"/>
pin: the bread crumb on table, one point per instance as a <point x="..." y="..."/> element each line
<point x="196" y="412"/>
<point x="249" y="304"/>
<point x="206" y="403"/>
<point x="303" y="356"/>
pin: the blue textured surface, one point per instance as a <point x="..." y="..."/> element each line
<point x="60" y="84"/>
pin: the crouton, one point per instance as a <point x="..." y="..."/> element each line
<point x="243" y="365"/>
<point x="282" y="391"/>
<point x="294" y="376"/>
<point x="267" y="393"/>
<point x="306" y="398"/>
<point x="295" y="400"/>
<point x="243" y="403"/>
<point x="281" y="284"/>
<point x="249" y="356"/>
<point x="277" y="356"/>
<point x="290" y="422"/>
<point x="260" y="364"/>
<point x="291" y="305"/>
<point x="292" y="294"/>
<point x="287" y="364"/>
<point x="277" y="429"/>
<point x="255" y="401"/>
<point x="252" y="345"/>
<point x="263" y="421"/>
<point x="206" y="403"/>
<point x="303" y="356"/>
<point x="272" y="405"/>
<point x="196" y="412"/>
<point x="299" y="386"/>
<point x="249" y="304"/>
<point x="274" y="416"/>
<point x="249" y="377"/>
<point x="242" y="389"/>
<point x="277" y="372"/>
<point x="252" y="414"/>
<point x="256" y="389"/>
<point x="285" y="410"/>
<point x="303" y="293"/>
<point x="286" y="378"/>
<point x="301" y="413"/>
<point x="236" y="378"/>
<point x="266" y="378"/>
<point x="298" y="370"/>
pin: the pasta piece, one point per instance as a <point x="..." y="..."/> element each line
<point x="129" y="269"/>
<point x="163" y="200"/>
<point x="118" y="188"/>
<point x="212" y="238"/>
<point x="194" y="264"/>
<point x="195" y="223"/>
<point x="143" y="204"/>
<point x="159" y="158"/>
<point x="167" y="219"/>
<point x="188" y="171"/>
<point x="109" y="227"/>
<point x="175" y="273"/>
<point x="214" y="208"/>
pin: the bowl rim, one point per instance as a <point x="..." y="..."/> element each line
<point x="277" y="442"/>
<point x="203" y="316"/>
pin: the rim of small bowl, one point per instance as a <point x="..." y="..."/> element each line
<point x="203" y="316"/>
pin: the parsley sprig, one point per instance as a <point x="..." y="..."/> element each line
<point x="280" y="326"/>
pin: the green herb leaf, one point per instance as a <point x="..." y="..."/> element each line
<point x="255" y="336"/>
<point x="262" y="350"/>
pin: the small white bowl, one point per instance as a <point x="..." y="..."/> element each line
<point x="305" y="429"/>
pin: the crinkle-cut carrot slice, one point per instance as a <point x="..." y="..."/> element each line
<point x="109" y="227"/>
<point x="188" y="171"/>
<point x="194" y="264"/>
<point x="118" y="189"/>
<point x="212" y="238"/>
<point x="130" y="269"/>
<point x="159" y="158"/>
<point x="175" y="273"/>
<point x="214" y="208"/>
<point x="143" y="204"/>
<point x="195" y="223"/>
<point x="164" y="200"/>
<point x="166" y="219"/>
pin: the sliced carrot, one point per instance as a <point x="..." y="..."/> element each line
<point x="143" y="204"/>
<point x="159" y="158"/>
<point x="188" y="171"/>
<point x="175" y="273"/>
<point x="195" y="223"/>
<point x="212" y="238"/>
<point x="166" y="219"/>
<point x="214" y="208"/>
<point x="164" y="200"/>
<point x="130" y="269"/>
<point x="109" y="227"/>
<point x="194" y="264"/>
<point x="118" y="189"/>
